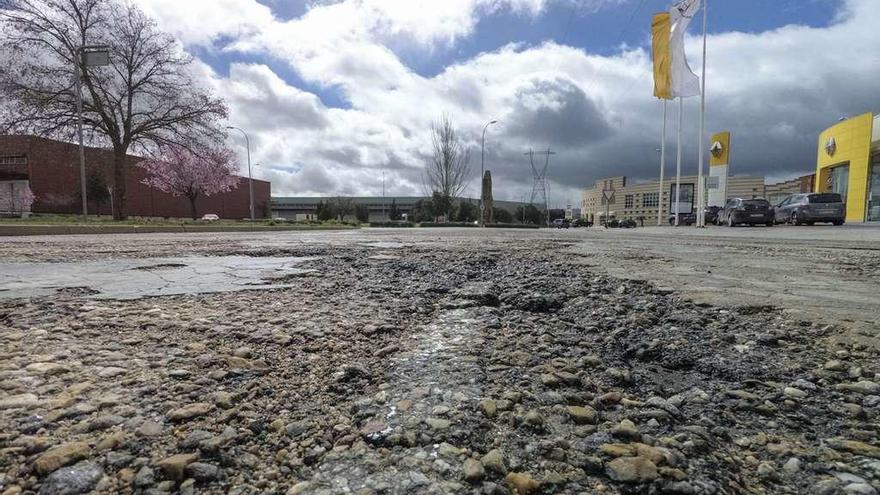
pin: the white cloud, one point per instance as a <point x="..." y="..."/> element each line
<point x="775" y="90"/>
<point x="200" y="22"/>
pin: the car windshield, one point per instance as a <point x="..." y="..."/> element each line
<point x="825" y="198"/>
<point x="757" y="202"/>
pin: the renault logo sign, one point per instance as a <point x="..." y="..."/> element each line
<point x="831" y="146"/>
<point x="717" y="149"/>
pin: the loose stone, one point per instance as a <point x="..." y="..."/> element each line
<point x="62" y="455"/>
<point x="80" y="478"/>
<point x="190" y="411"/>
<point x="473" y="470"/>
<point x="632" y="470"/>
<point x="521" y="483"/>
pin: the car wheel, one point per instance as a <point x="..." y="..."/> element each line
<point x="730" y="222"/>
<point x="794" y="218"/>
<point x="770" y="224"/>
<point x="838" y="222"/>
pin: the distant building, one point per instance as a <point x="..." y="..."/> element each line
<point x="775" y="193"/>
<point x="631" y="202"/>
<point x="52" y="171"/>
<point x="305" y="207"/>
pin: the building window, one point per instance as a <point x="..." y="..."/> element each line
<point x="628" y="201"/>
<point x="13" y="160"/>
<point x="650" y="200"/>
<point x="13" y="167"/>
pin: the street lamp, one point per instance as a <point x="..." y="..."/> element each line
<point x="483" y="170"/>
<point x="250" y="176"/>
<point x="88" y="56"/>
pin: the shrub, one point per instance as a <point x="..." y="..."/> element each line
<point x="512" y="226"/>
<point x="447" y="224"/>
<point x="392" y="224"/>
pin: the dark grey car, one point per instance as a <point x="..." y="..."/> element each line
<point x="810" y="208"/>
<point x="738" y="211"/>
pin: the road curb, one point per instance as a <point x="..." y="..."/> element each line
<point x="31" y="230"/>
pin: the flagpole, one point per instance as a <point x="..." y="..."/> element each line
<point x="701" y="219"/>
<point x="662" y="166"/>
<point x="678" y="161"/>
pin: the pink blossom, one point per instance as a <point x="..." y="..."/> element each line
<point x="192" y="173"/>
<point x="26" y="198"/>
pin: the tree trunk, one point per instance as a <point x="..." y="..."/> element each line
<point x="120" y="171"/>
<point x="192" y="207"/>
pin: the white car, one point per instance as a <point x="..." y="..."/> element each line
<point x="210" y="217"/>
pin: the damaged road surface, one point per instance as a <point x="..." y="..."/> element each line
<point x="132" y="279"/>
<point x="400" y="363"/>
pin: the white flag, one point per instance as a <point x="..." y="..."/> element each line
<point x="684" y="82"/>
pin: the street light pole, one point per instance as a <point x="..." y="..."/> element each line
<point x="100" y="57"/>
<point x="250" y="175"/>
<point x="483" y="171"/>
<point x="79" y="131"/>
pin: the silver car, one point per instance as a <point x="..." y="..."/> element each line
<point x="810" y="208"/>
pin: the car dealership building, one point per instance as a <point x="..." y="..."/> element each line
<point x="634" y="201"/>
<point x="849" y="164"/>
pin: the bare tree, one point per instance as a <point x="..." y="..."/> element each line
<point x="145" y="98"/>
<point x="342" y="206"/>
<point x="449" y="167"/>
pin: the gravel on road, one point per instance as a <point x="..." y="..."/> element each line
<point x="437" y="365"/>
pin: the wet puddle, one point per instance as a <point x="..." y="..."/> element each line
<point x="136" y="278"/>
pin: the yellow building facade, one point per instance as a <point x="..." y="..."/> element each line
<point x="849" y="163"/>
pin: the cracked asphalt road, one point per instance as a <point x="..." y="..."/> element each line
<point x="432" y="361"/>
<point x="136" y="278"/>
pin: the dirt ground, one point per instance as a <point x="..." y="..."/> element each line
<point x="441" y="361"/>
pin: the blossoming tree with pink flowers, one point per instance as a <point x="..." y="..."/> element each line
<point x="17" y="198"/>
<point x="26" y="198"/>
<point x="192" y="172"/>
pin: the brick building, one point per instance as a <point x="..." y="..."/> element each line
<point x="51" y="168"/>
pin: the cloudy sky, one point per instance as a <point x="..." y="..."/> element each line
<point x="336" y="93"/>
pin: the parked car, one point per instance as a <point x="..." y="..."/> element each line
<point x="560" y="223"/>
<point x="210" y="217"/>
<point x="739" y="211"/>
<point x="683" y="219"/>
<point x="810" y="208"/>
<point x="626" y="223"/>
<point x="581" y="222"/>
<point x="710" y="214"/>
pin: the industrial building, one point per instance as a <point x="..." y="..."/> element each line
<point x="51" y="169"/>
<point x="305" y="208"/>
<point x="848" y="163"/>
